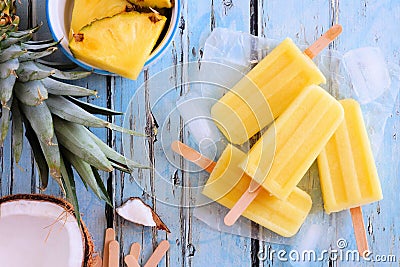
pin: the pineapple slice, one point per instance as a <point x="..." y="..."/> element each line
<point x="153" y="3"/>
<point x="227" y="183"/>
<point x="120" y="44"/>
<point x="87" y="11"/>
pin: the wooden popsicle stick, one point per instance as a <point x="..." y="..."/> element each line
<point x="131" y="261"/>
<point x="158" y="254"/>
<point x="193" y="156"/>
<point x="113" y="254"/>
<point x="97" y="261"/>
<point x="241" y="205"/>
<point x="323" y="41"/>
<point x="359" y="230"/>
<point x="135" y="250"/>
<point x="109" y="236"/>
<point x="244" y="201"/>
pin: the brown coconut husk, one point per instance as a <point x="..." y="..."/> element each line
<point x="88" y="260"/>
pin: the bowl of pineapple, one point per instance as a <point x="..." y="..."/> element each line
<point x="113" y="37"/>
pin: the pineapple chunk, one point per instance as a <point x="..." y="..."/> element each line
<point x="153" y="3"/>
<point x="120" y="44"/>
<point x="227" y="183"/>
<point x="87" y="11"/>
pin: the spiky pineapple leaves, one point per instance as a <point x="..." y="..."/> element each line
<point x="55" y="122"/>
<point x="17" y="132"/>
<point x="69" y="184"/>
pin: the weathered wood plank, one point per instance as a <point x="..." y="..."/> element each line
<point x="375" y="23"/>
<point x="187" y="233"/>
<point x="234" y="15"/>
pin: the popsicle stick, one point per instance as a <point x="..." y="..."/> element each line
<point x="131" y="261"/>
<point x="113" y="254"/>
<point x="244" y="201"/>
<point x="109" y="236"/>
<point x="241" y="205"/>
<point x="323" y="41"/>
<point x="359" y="230"/>
<point x="193" y="156"/>
<point x="158" y="254"/>
<point x="135" y="250"/>
<point x="97" y="261"/>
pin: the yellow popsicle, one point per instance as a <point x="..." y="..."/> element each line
<point x="227" y="183"/>
<point x="299" y="135"/>
<point x="265" y="92"/>
<point x="346" y="165"/>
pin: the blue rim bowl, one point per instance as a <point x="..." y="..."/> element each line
<point x="57" y="10"/>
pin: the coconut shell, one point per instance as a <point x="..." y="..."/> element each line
<point x="89" y="246"/>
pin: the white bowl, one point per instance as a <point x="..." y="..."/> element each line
<point x="59" y="14"/>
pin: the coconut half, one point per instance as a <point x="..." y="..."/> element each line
<point x="136" y="211"/>
<point x="42" y="231"/>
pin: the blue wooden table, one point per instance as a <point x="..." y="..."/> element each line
<point x="365" y="23"/>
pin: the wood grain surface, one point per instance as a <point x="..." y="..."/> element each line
<point x="365" y="23"/>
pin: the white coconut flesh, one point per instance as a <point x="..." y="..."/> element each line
<point x="135" y="211"/>
<point x="39" y="234"/>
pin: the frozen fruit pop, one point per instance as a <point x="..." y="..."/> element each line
<point x="227" y="183"/>
<point x="346" y="166"/>
<point x="298" y="136"/>
<point x="347" y="170"/>
<point x="265" y="92"/>
<point x="254" y="187"/>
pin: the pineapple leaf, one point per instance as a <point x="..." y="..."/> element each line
<point x="5" y="121"/>
<point x="118" y="166"/>
<point x="52" y="155"/>
<point x="64" y="75"/>
<point x="17" y="131"/>
<point x="15" y="40"/>
<point x="74" y="138"/>
<point x="13" y="51"/>
<point x="6" y="88"/>
<point x="28" y="71"/>
<point x="29" y="56"/>
<point x="24" y="32"/>
<point x="85" y="172"/>
<point x="70" y="188"/>
<point x="67" y="110"/>
<point x="38" y="155"/>
<point x="38" y="47"/>
<point x="59" y="65"/>
<point x="102" y="187"/>
<point x="8" y="68"/>
<point x="59" y="88"/>
<point x="93" y="109"/>
<point x="115" y="158"/>
<point x="41" y="121"/>
<point x="31" y="93"/>
<point x="37" y="42"/>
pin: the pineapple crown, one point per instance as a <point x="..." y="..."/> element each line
<point x="35" y="98"/>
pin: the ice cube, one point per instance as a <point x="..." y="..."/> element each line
<point x="368" y="72"/>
